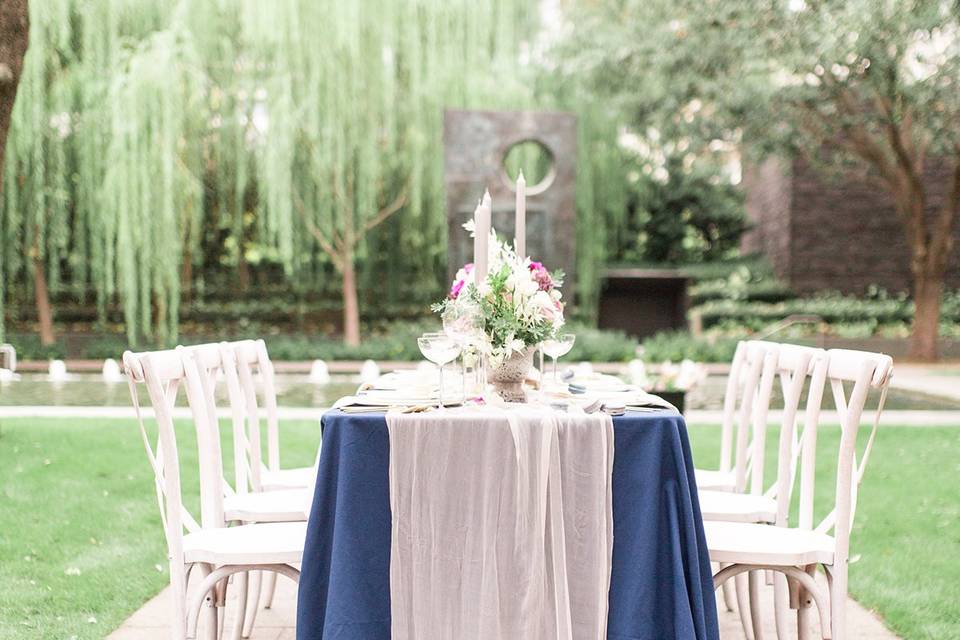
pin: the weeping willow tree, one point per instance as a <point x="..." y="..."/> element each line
<point x="302" y="135"/>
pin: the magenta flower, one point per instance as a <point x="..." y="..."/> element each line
<point x="542" y="277"/>
<point x="457" y="288"/>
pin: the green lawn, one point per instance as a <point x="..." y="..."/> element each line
<point x="81" y="545"/>
<point x="906" y="538"/>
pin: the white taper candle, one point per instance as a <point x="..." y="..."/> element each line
<point x="481" y="239"/>
<point x="520" y="229"/>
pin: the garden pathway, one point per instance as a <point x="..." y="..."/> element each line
<point x="937" y="379"/>
<point x="150" y="622"/>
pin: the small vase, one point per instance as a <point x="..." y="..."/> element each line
<point x="507" y="379"/>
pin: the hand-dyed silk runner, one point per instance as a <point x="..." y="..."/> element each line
<point x="502" y="524"/>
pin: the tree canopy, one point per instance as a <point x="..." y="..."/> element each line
<point x="153" y="143"/>
<point x="865" y="86"/>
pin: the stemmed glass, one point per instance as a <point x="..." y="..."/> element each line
<point x="438" y="348"/>
<point x="557" y="348"/>
<point x="463" y="324"/>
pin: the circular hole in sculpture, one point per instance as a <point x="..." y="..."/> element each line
<point x="535" y="160"/>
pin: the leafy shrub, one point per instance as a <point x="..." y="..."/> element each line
<point x="679" y="345"/>
<point x="688" y="217"/>
<point x="597" y="345"/>
<point x="831" y="308"/>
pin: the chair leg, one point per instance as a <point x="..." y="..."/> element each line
<point x="838" y="601"/>
<point x="243" y="581"/>
<point x="178" y="595"/>
<point x="743" y="605"/>
<point x="209" y="608"/>
<point x="729" y="598"/>
<point x="755" y="578"/>
<point x="271" y="586"/>
<point x="781" y="604"/>
<point x="253" y="602"/>
<point x="222" y="606"/>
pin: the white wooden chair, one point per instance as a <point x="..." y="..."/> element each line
<point x="216" y="551"/>
<point x="246" y="500"/>
<point x="748" y="390"/>
<point x="795" y="552"/>
<point x="739" y="405"/>
<point x="251" y="358"/>
<point x="794" y="365"/>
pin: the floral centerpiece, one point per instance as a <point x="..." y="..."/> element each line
<point x="515" y="307"/>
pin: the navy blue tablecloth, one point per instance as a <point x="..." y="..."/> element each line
<point x="660" y="588"/>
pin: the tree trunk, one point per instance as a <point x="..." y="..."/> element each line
<point x="351" y="309"/>
<point x="186" y="275"/>
<point x="42" y="296"/>
<point x="927" y="292"/>
<point x="243" y="270"/>
<point x="14" y="35"/>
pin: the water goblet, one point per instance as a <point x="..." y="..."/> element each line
<point x="463" y="323"/>
<point x="558" y="347"/>
<point x="438" y="348"/>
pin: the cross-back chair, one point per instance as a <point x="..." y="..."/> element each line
<point x="797" y="551"/>
<point x="794" y="366"/>
<point x="214" y="550"/>
<point x="745" y="403"/>
<point x="252" y="358"/>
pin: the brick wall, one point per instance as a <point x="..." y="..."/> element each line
<point x="832" y="234"/>
<point x="767" y="201"/>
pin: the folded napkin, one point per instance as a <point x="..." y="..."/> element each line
<point x="598" y="392"/>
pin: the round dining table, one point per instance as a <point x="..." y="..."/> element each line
<point x="661" y="586"/>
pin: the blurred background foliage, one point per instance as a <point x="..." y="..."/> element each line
<point x="173" y="157"/>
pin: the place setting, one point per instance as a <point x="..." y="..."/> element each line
<point x="503" y="316"/>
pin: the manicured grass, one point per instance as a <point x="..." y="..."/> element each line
<point x="905" y="547"/>
<point x="80" y="536"/>
<point x="81" y="544"/>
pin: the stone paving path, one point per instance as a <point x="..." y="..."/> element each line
<point x="941" y="380"/>
<point x="150" y="622"/>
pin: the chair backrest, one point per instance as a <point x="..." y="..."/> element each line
<point x="797" y="367"/>
<point x="745" y="405"/>
<point x="866" y="371"/>
<point x="252" y="357"/>
<point x="862" y="372"/>
<point x="237" y="365"/>
<point x="162" y="373"/>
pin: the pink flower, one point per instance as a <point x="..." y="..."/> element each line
<point x="460" y="280"/>
<point x="536" y="266"/>
<point x="545" y="282"/>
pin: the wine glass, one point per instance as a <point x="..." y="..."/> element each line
<point x="463" y="323"/>
<point x="557" y="348"/>
<point x="438" y="348"/>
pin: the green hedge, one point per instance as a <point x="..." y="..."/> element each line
<point x="830" y="308"/>
<point x="395" y="341"/>
<point x="679" y="345"/>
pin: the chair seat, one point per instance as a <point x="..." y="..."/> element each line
<point x="715" y="480"/>
<point x="737" y="507"/>
<point x="762" y="544"/>
<point x="298" y="478"/>
<point x="274" y="543"/>
<point x="290" y="505"/>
